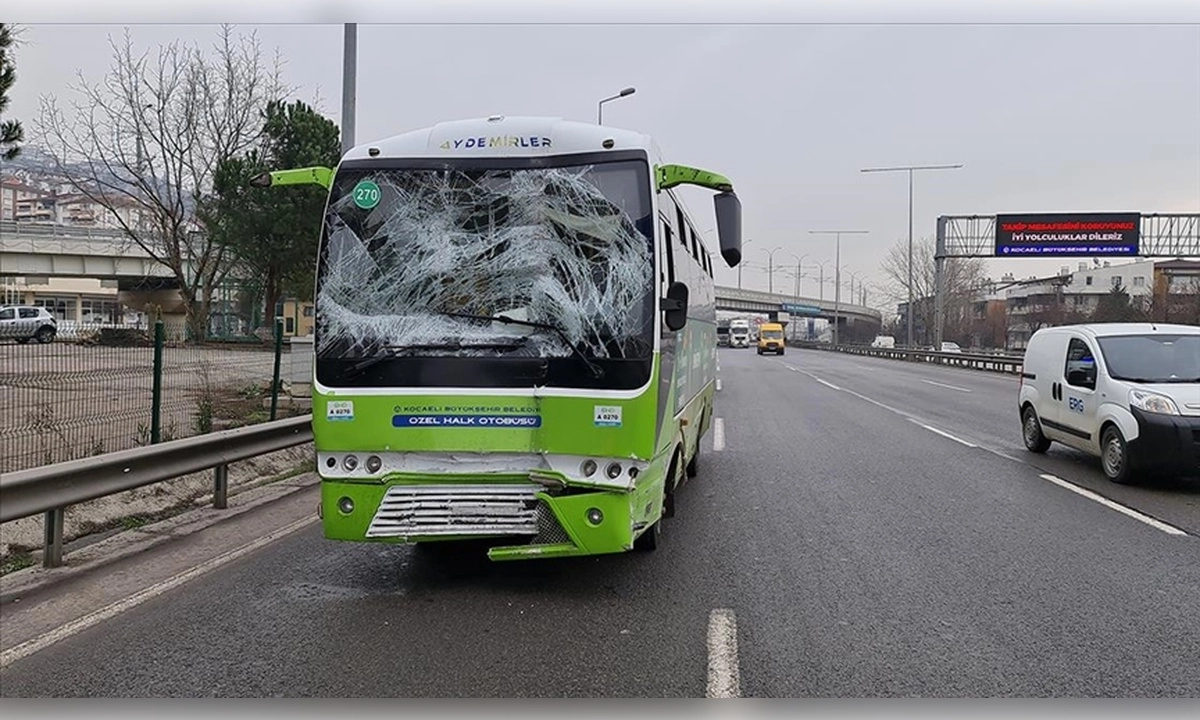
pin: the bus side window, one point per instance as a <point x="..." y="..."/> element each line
<point x="668" y="260"/>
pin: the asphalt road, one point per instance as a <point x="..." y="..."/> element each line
<point x="871" y="533"/>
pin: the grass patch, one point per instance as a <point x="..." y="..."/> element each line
<point x="17" y="561"/>
<point x="132" y="523"/>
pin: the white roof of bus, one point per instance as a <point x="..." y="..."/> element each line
<point x="505" y="136"/>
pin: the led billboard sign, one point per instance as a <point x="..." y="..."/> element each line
<point x="1068" y="234"/>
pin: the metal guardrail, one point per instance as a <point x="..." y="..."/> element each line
<point x="52" y="488"/>
<point x="1007" y="364"/>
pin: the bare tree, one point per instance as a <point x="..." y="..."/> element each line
<point x="144" y="143"/>
<point x="964" y="279"/>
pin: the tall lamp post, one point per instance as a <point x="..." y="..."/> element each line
<point x="837" y="266"/>
<point x="771" y="268"/>
<point x="799" y="272"/>
<point x="744" y="244"/>
<point x="349" y="75"/>
<point x="821" y="279"/>
<point x="854" y="277"/>
<point x="910" y="169"/>
<point x="600" y="105"/>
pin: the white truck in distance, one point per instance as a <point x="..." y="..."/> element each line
<point x="739" y="333"/>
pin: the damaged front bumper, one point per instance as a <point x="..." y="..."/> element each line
<point x="542" y="520"/>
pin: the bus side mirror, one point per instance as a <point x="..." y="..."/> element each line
<point x="729" y="226"/>
<point x="675" y="306"/>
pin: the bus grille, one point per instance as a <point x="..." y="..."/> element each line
<point x="416" y="510"/>
<point x="550" y="531"/>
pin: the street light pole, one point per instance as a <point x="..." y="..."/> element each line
<point x="853" y="277"/>
<point x="909" y="169"/>
<point x="349" y="75"/>
<point x="837" y="267"/>
<point x="771" y="269"/>
<point x="821" y="280"/>
<point x="600" y="105"/>
<point x="799" y="260"/>
<point x="744" y="244"/>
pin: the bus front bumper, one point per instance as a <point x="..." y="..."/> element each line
<point x="539" y="524"/>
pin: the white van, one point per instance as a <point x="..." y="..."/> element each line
<point x="1128" y="393"/>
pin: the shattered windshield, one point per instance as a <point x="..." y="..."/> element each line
<point x="418" y="261"/>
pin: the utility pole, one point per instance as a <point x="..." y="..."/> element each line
<point x="910" y="169"/>
<point x="771" y="268"/>
<point x="744" y="244"/>
<point x="349" y="76"/>
<point x="837" y="267"/>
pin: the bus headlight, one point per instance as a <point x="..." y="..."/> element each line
<point x="350" y="462"/>
<point x="588" y="468"/>
<point x="613" y="471"/>
<point x="373" y="464"/>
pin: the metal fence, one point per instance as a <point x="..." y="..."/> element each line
<point x="120" y="388"/>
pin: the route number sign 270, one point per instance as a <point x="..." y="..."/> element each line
<point x="366" y="194"/>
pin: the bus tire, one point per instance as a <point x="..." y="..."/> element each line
<point x="648" y="541"/>
<point x="669" y="487"/>
<point x="693" y="466"/>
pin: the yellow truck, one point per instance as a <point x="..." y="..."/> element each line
<point x="770" y="338"/>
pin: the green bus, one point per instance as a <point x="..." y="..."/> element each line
<point x="515" y="336"/>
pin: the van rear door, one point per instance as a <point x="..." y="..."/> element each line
<point x="1044" y="361"/>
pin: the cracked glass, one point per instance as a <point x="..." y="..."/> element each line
<point x="410" y="252"/>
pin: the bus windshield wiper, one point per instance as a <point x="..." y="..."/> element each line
<point x="394" y="351"/>
<point x="595" y="369"/>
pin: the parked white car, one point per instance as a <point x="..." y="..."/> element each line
<point x="27" y="322"/>
<point x="1128" y="393"/>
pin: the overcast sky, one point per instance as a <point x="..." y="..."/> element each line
<point x="1047" y="118"/>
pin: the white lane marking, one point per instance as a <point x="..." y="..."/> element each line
<point x="718" y="435"/>
<point x="718" y="384"/>
<point x="952" y="387"/>
<point x="943" y="433"/>
<point x="1157" y="524"/>
<point x="1169" y="529"/>
<point x="723" y="680"/>
<point x="885" y="406"/>
<point x="63" y="632"/>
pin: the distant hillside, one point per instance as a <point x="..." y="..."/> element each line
<point x="36" y="166"/>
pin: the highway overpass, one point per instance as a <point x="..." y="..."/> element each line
<point x="756" y="301"/>
<point x="57" y="251"/>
